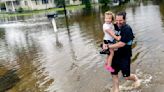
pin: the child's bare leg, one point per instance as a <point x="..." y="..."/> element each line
<point x="109" y="61"/>
<point x="110" y="57"/>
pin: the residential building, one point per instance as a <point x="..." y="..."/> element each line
<point x="94" y="1"/>
<point x="74" y="2"/>
<point x="78" y="2"/>
<point x="13" y="5"/>
<point x="16" y="5"/>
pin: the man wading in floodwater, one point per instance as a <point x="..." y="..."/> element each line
<point x="122" y="57"/>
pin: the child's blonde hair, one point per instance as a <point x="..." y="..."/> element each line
<point x="110" y="13"/>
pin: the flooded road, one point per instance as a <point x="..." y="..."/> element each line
<point x="35" y="58"/>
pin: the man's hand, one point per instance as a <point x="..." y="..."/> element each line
<point x="105" y="46"/>
<point x="118" y="38"/>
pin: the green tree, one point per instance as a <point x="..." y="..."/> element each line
<point x="87" y="3"/>
<point x="105" y="2"/>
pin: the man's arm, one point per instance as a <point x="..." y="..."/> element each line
<point x="117" y="45"/>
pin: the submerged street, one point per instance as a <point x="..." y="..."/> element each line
<point x="35" y="58"/>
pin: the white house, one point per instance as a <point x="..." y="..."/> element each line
<point x="13" y="5"/>
<point x="74" y="2"/>
<point x="77" y="2"/>
<point x="94" y="1"/>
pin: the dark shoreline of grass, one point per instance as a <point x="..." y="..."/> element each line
<point x="28" y="13"/>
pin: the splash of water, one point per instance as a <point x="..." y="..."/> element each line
<point x="144" y="79"/>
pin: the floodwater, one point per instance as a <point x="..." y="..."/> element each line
<point x="36" y="58"/>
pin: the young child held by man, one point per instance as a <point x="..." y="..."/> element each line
<point x="109" y="37"/>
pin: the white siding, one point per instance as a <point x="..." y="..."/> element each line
<point x="40" y="5"/>
<point x="75" y="2"/>
<point x="28" y="4"/>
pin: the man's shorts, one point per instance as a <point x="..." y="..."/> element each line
<point x="121" y="63"/>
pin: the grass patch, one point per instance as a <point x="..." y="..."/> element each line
<point x="28" y="13"/>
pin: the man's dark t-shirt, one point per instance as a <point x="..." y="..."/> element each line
<point x="126" y="34"/>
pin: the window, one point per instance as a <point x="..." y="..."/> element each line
<point x="36" y="1"/>
<point x="44" y="1"/>
<point x="16" y="2"/>
<point x="25" y="2"/>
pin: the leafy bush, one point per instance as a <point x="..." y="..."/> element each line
<point x="20" y="10"/>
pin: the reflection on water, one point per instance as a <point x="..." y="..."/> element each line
<point x="35" y="58"/>
<point x="8" y="79"/>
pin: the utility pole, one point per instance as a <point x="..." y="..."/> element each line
<point x="65" y="13"/>
<point x="64" y="6"/>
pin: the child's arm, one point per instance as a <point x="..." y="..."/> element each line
<point x="113" y="34"/>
